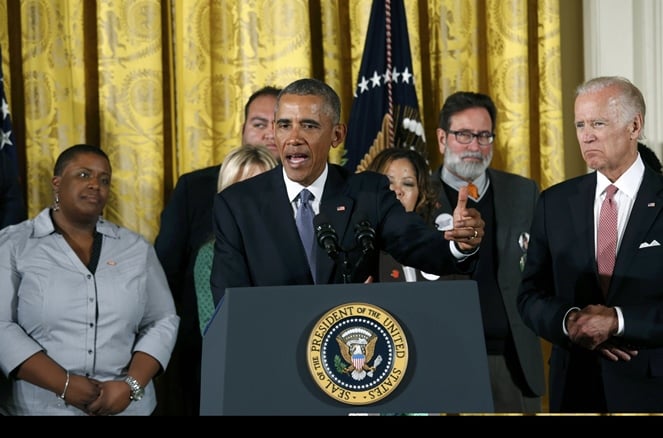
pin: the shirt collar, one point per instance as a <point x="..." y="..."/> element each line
<point x="316" y="188"/>
<point x="452" y="180"/>
<point x="43" y="225"/>
<point x="628" y="183"/>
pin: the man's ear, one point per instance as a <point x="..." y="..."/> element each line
<point x="636" y="125"/>
<point x="338" y="136"/>
<point x="441" y="139"/>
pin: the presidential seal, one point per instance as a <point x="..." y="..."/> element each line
<point x="357" y="353"/>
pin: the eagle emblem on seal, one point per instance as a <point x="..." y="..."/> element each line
<point x="357" y="347"/>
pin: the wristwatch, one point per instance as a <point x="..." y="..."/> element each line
<point x="137" y="391"/>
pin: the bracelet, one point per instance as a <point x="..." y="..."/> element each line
<point x="66" y="385"/>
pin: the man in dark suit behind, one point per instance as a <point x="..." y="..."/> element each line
<point x="257" y="240"/>
<point x="506" y="201"/>
<point x="186" y="224"/>
<point x="606" y="329"/>
<point x="12" y="205"/>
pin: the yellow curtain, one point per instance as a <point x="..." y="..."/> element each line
<point x="130" y="69"/>
<point x="161" y="85"/>
<point x="54" y="87"/>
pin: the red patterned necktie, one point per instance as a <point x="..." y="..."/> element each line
<point x="606" y="251"/>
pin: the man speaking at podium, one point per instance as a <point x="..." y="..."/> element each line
<point x="264" y="227"/>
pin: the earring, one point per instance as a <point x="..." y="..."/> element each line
<point x="56" y="204"/>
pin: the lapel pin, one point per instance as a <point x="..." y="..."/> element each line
<point x="651" y="204"/>
<point x="340" y="208"/>
<point x="111" y="263"/>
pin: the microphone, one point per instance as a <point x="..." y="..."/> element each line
<point x="326" y="236"/>
<point x="365" y="236"/>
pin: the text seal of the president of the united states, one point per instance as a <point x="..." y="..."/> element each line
<point x="357" y="353"/>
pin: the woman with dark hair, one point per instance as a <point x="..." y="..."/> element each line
<point x="409" y="179"/>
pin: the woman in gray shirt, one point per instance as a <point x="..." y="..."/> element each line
<point x="86" y="316"/>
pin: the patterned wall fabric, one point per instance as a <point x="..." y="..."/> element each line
<point x="161" y="85"/>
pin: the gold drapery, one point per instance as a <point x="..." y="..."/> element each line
<point x="161" y="85"/>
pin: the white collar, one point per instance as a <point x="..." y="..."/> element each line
<point x="628" y="183"/>
<point x="316" y="188"/>
<point x="452" y="180"/>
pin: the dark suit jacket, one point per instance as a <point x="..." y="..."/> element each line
<point x="514" y="203"/>
<point x="186" y="224"/>
<point x="257" y="243"/>
<point x="12" y="205"/>
<point x="393" y="272"/>
<point x="561" y="272"/>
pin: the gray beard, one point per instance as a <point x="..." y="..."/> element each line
<point x="466" y="170"/>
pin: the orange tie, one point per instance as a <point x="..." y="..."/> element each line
<point x="473" y="191"/>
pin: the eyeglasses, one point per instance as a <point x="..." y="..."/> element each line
<point x="466" y="137"/>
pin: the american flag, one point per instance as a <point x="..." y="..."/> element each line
<point x="7" y="142"/>
<point x="12" y="207"/>
<point x="385" y="110"/>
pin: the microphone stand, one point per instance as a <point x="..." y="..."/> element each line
<point x="352" y="270"/>
<point x="342" y="260"/>
<point x="348" y="269"/>
<point x="365" y="238"/>
<point x="327" y="238"/>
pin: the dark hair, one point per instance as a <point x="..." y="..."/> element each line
<point x="264" y="91"/>
<point x="72" y="152"/>
<point x="427" y="200"/>
<point x="649" y="157"/>
<point x="315" y="87"/>
<point x="462" y="100"/>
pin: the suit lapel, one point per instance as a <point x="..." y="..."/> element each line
<point x="582" y="219"/>
<point x="337" y="208"/>
<point x="505" y="213"/>
<point x="646" y="208"/>
<point x="445" y="204"/>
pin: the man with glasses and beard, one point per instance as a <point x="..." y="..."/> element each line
<point x="506" y="201"/>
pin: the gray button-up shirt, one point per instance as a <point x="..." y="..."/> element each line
<point x="88" y="323"/>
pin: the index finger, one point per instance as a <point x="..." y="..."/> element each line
<point x="461" y="205"/>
